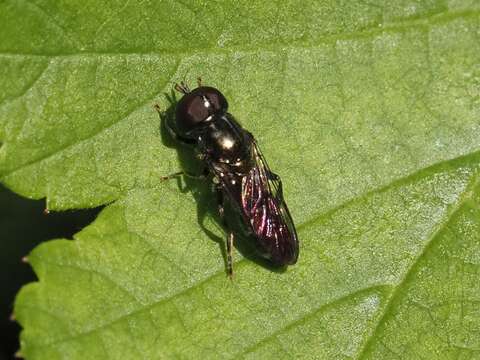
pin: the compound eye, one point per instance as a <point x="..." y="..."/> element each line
<point x="190" y="112"/>
<point x="196" y="106"/>
<point x="216" y="99"/>
<point x="197" y="109"/>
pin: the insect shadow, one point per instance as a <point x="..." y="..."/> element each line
<point x="202" y="191"/>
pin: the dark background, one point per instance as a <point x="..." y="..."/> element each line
<point x="23" y="225"/>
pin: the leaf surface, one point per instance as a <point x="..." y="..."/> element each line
<point x="370" y="113"/>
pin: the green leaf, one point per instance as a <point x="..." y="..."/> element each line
<point x="368" y="110"/>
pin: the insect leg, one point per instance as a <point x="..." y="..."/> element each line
<point x="229" y="255"/>
<point x="172" y="132"/>
<point x="199" y="81"/>
<point x="221" y="212"/>
<point x="188" y="174"/>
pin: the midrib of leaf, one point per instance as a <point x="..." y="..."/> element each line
<point x="374" y="30"/>
<point x="392" y="291"/>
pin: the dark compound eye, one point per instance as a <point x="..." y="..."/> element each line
<point x="196" y="107"/>
<point x="216" y="99"/>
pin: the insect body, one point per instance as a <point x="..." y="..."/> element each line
<point x="240" y="173"/>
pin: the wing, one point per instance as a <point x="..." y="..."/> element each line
<point x="267" y="213"/>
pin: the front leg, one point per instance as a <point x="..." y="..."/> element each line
<point x="172" y="132"/>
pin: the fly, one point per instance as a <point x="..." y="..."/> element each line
<point x="239" y="172"/>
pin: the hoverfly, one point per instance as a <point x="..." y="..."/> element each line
<point x="238" y="170"/>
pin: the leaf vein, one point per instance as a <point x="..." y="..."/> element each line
<point x="91" y="136"/>
<point x="54" y="23"/>
<point x="28" y="86"/>
<point x="134" y="312"/>
<point x="94" y="271"/>
<point x="315" y="311"/>
<point x="464" y="197"/>
<point x="419" y="174"/>
<point x="395" y="27"/>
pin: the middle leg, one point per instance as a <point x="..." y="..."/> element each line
<point x="188" y="174"/>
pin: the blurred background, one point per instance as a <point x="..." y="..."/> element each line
<point x="23" y="225"/>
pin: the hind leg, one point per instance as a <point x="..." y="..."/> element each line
<point x="230" y="238"/>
